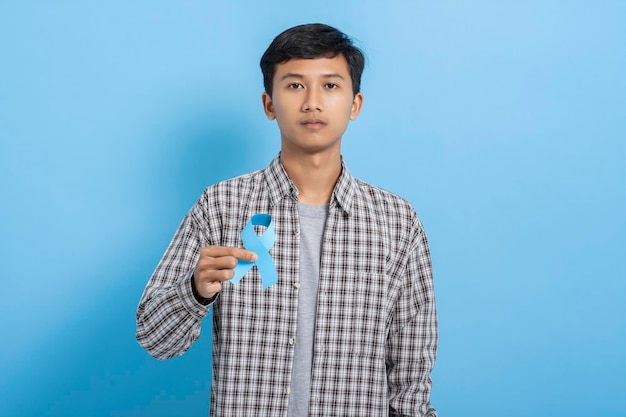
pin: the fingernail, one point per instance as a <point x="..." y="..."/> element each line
<point x="254" y="257"/>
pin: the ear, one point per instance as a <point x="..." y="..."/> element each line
<point x="268" y="106"/>
<point x="356" y="106"/>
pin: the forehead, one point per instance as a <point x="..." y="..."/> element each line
<point x="312" y="68"/>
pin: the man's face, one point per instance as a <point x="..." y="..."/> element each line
<point x="312" y="101"/>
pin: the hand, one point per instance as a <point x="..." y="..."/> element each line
<point x="215" y="265"/>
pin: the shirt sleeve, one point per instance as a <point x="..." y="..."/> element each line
<point x="169" y="315"/>
<point x="412" y="340"/>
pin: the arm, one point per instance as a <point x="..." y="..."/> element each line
<point x="412" y="340"/>
<point x="182" y="288"/>
<point x="169" y="315"/>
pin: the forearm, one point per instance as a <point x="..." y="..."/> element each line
<point x="169" y="318"/>
<point x="412" y="341"/>
<point x="411" y="357"/>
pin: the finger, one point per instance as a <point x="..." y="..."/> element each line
<point x="216" y="275"/>
<point x="220" y="251"/>
<point x="222" y="262"/>
<point x="246" y="255"/>
<point x="208" y="290"/>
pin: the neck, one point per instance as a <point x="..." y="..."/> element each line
<point x="314" y="175"/>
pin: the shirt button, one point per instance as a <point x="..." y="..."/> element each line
<point x="296" y="285"/>
<point x="297" y="232"/>
<point x="287" y="390"/>
<point x="292" y="341"/>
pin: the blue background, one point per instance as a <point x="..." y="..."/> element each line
<point x="503" y="122"/>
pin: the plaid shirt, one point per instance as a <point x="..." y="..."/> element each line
<point x="376" y="325"/>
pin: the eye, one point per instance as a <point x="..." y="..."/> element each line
<point x="295" y="85"/>
<point x="332" y="85"/>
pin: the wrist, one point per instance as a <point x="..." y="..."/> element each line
<point x="199" y="298"/>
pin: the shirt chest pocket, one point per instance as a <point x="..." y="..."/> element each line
<point x="358" y="314"/>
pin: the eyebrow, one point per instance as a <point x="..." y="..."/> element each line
<point x="300" y="76"/>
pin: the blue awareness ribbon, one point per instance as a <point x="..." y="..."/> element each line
<point x="261" y="246"/>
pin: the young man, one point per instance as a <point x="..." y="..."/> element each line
<point x="350" y="326"/>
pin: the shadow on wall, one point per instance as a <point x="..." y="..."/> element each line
<point x="92" y="365"/>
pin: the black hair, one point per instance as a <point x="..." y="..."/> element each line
<point x="310" y="41"/>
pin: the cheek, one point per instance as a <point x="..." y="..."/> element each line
<point x="346" y="103"/>
<point x="282" y="117"/>
<point x="282" y="108"/>
<point x="284" y="121"/>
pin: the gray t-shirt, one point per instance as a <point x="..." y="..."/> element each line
<point x="312" y="222"/>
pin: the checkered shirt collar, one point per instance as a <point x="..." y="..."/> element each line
<point x="281" y="186"/>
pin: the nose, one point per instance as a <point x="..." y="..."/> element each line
<point x="312" y="101"/>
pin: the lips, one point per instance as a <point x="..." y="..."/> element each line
<point x="313" y="123"/>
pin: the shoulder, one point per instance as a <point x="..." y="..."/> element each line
<point x="226" y="194"/>
<point x="391" y="211"/>
<point x="232" y="187"/>
<point x="387" y="201"/>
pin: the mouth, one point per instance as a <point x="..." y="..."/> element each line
<point x="313" y="123"/>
